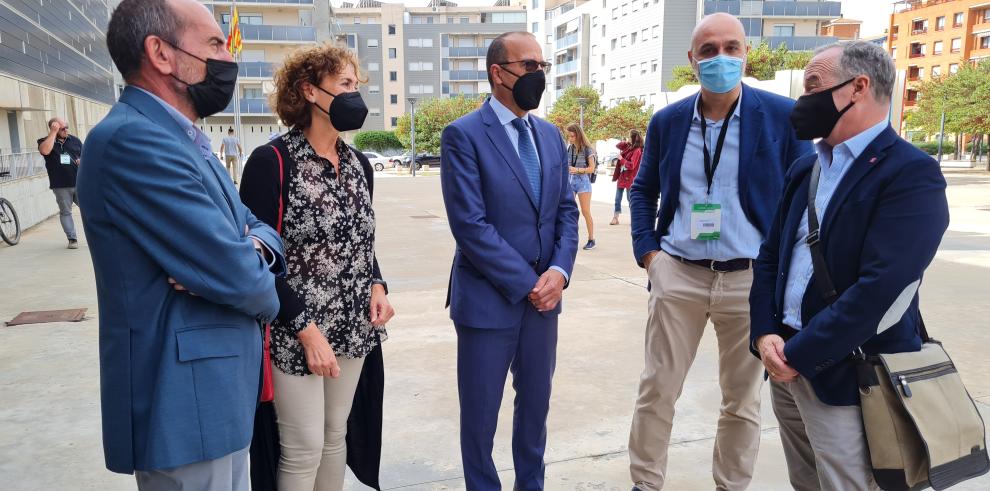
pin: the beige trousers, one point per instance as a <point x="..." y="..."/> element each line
<point x="312" y="423"/>
<point x="232" y="161"/>
<point x="825" y="446"/>
<point x="683" y="298"/>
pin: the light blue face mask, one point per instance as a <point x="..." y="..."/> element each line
<point x="721" y="73"/>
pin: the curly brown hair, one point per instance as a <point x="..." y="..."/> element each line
<point x="307" y="64"/>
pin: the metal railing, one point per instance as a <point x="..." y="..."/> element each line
<point x="468" y="75"/>
<point x="21" y="165"/>
<point x="467" y="52"/>
<point x="250" y="106"/>
<point x="250" y="32"/>
<point x="801" y="43"/>
<point x="567" y="41"/>
<point x="274" y="2"/>
<point x="567" y="67"/>
<point x="802" y="9"/>
<point x="256" y="69"/>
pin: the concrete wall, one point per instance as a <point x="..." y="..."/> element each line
<point x="31" y="198"/>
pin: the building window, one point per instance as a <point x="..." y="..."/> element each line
<point x="357" y="20"/>
<point x="373" y="21"/>
<point x="450" y="20"/>
<point x="421" y="43"/>
<point x="643" y="36"/>
<point x="783" y="30"/>
<point x="375" y="111"/>
<point x="919" y="26"/>
<point x="642" y="68"/>
<point x="625" y="41"/>
<point x="374" y="89"/>
<point x="536" y="27"/>
<point x="615" y="43"/>
<point x="957" y="19"/>
<point x="914" y="73"/>
<point x="615" y="13"/>
<point x="937" y="48"/>
<point x="391" y="29"/>
<point x="421" y="66"/>
<point x="940" y="23"/>
<point x="632" y="39"/>
<point x="612" y="74"/>
<point x="953" y="67"/>
<point x="373" y="67"/>
<point x="985" y="42"/>
<point x="393" y="76"/>
<point x="955" y="45"/>
<point x="622" y="72"/>
<point x="893" y="52"/>
<point x="656" y="32"/>
<point x="395" y="121"/>
<point x="372" y="43"/>
<point x="603" y="31"/>
<point x="393" y="99"/>
<point x="594" y="21"/>
<point x="653" y="69"/>
<point x="465" y="20"/>
<point x="986" y="15"/>
<point x="893" y="32"/>
<point x="420" y="89"/>
<point x="253" y="93"/>
<point x="536" y="4"/>
<point x="917" y="50"/>
<point x="936" y="71"/>
<point x="625" y="9"/>
<point x="391" y="53"/>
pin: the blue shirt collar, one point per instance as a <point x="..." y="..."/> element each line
<point x="697" y="115"/>
<point x="855" y="146"/>
<point x="504" y="114"/>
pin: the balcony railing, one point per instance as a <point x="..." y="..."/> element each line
<point x="468" y="75"/>
<point x="256" y="69"/>
<point x="567" y="41"/>
<point x="910" y="103"/>
<point x="916" y="55"/>
<point x="568" y="67"/>
<point x="915" y="32"/>
<point x="829" y="10"/>
<point x="250" y="106"/>
<point x="274" y="2"/>
<point x="20" y="165"/>
<point x="467" y="52"/>
<point x="801" y="43"/>
<point x="274" y="33"/>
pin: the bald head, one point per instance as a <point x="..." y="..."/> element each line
<point x="714" y="32"/>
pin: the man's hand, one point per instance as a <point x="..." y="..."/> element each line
<point x="549" y="288"/>
<point x="178" y="287"/>
<point x="55" y="127"/>
<point x="648" y="259"/>
<point x="381" y="309"/>
<point x="771" y="348"/>
<point x="319" y="356"/>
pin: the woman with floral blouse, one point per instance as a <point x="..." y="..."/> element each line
<point x="316" y="191"/>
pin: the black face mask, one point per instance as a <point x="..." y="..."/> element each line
<point x="528" y="89"/>
<point x="215" y="91"/>
<point x="815" y="115"/>
<point x="347" y="111"/>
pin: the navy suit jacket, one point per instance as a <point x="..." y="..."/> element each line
<point x="505" y="239"/>
<point x="767" y="147"/>
<point x="179" y="373"/>
<point x="879" y="232"/>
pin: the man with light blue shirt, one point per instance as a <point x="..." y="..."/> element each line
<point x="185" y="274"/>
<point x="504" y="177"/>
<point x="842" y="275"/>
<point x="718" y="159"/>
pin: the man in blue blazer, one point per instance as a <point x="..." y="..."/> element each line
<point x="718" y="160"/>
<point x="514" y="219"/>
<point x="183" y="269"/>
<point x="882" y="211"/>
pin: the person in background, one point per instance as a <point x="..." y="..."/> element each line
<point x="582" y="162"/>
<point x="881" y="207"/>
<point x="630" y="152"/>
<point x="232" y="153"/>
<point x="62" y="153"/>
<point x="719" y="160"/>
<point x="333" y="300"/>
<point x="185" y="273"/>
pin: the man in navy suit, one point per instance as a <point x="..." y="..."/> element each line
<point x="183" y="270"/>
<point x="881" y="206"/>
<point x="513" y="216"/>
<point x="718" y="160"/>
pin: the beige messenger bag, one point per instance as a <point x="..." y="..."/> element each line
<point x="922" y="427"/>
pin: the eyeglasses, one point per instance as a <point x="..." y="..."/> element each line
<point x="530" y="65"/>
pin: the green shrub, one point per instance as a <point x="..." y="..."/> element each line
<point x="931" y="148"/>
<point x="378" y="141"/>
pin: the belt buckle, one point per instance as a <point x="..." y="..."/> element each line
<point x="712" y="267"/>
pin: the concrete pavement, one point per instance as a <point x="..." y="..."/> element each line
<point x="49" y="418"/>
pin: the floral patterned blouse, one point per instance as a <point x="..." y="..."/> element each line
<point x="329" y="235"/>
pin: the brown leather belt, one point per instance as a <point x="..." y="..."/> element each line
<point x="730" y="266"/>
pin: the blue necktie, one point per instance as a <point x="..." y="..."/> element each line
<point x="529" y="157"/>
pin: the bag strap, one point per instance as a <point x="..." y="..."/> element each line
<point x="281" y="183"/>
<point x="823" y="280"/>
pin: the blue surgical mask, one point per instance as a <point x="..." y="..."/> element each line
<point x="721" y="73"/>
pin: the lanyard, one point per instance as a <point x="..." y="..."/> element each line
<point x="712" y="163"/>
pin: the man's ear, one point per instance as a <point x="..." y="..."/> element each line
<point x="159" y="54"/>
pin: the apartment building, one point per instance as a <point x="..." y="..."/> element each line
<point x="934" y="37"/>
<point x="421" y="52"/>
<point x="270" y="30"/>
<point x="624" y="49"/>
<point x="796" y="24"/>
<point x="842" y="29"/>
<point x="53" y="62"/>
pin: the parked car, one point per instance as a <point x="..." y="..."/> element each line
<point x="378" y="161"/>
<point x="421" y="160"/>
<point x="397" y="160"/>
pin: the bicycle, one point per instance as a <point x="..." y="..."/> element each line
<point x="10" y="225"/>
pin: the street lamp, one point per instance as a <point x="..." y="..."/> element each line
<point x="582" y="101"/>
<point x="412" y="134"/>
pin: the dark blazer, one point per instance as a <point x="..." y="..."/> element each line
<point x="880" y="231"/>
<point x="767" y="147"/>
<point x="178" y="373"/>
<point x="505" y="239"/>
<point x="260" y="191"/>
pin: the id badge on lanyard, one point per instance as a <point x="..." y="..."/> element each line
<point x="706" y="218"/>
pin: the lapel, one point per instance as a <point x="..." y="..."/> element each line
<point x="795" y="212"/>
<point x="750" y="128"/>
<point x="546" y="165"/>
<point x="679" y="129"/>
<point x="148" y="106"/>
<point x="871" y="157"/>
<point x="502" y="144"/>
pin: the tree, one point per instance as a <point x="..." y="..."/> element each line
<point x="432" y="116"/>
<point x="965" y="97"/>
<point x="616" y="122"/>
<point x="378" y="141"/>
<point x="566" y="110"/>
<point x="683" y="75"/>
<point x="762" y="63"/>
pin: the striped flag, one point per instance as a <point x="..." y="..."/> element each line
<point x="234" y="43"/>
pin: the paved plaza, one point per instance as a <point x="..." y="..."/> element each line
<point x="50" y="420"/>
